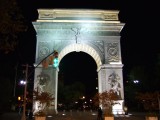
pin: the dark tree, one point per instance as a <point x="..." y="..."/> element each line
<point x="16" y="17"/>
<point x="11" y="25"/>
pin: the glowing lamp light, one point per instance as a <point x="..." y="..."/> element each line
<point x="19" y="98"/>
<point x="22" y="82"/>
<point x="136" y="81"/>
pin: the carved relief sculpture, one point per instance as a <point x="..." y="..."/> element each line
<point x="113" y="80"/>
<point x="42" y="81"/>
<point x="112" y="50"/>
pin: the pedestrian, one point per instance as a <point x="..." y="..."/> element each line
<point x="99" y="117"/>
<point x="19" y="109"/>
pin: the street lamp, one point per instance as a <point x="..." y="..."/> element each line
<point x="24" y="100"/>
<point x="22" y="82"/>
<point x="25" y="92"/>
<point x="136" y="81"/>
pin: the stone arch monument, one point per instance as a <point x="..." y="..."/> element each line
<point x="95" y="32"/>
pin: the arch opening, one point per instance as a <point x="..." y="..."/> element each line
<point x="77" y="79"/>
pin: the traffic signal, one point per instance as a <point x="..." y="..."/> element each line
<point x="55" y="62"/>
<point x="55" y="59"/>
<point x="51" y="60"/>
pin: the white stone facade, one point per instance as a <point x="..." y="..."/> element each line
<point x="96" y="32"/>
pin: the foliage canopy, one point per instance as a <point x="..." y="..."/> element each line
<point x="149" y="100"/>
<point x="107" y="99"/>
<point x="45" y="100"/>
<point x="11" y="25"/>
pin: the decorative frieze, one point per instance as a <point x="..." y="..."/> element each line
<point x="110" y="16"/>
<point x="100" y="45"/>
<point x="66" y="14"/>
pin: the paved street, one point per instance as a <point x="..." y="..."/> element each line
<point x="76" y="115"/>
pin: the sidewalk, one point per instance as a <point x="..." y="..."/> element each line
<point x="10" y="116"/>
<point x="76" y="115"/>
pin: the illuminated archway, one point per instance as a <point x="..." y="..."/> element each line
<point x="95" y="32"/>
<point x="81" y="47"/>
